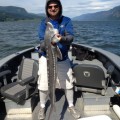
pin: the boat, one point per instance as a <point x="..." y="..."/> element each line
<point x="96" y="90"/>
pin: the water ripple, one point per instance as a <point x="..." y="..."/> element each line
<point x="19" y="35"/>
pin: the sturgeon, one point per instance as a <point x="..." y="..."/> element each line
<point x="52" y="52"/>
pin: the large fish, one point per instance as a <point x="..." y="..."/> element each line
<point x="52" y="52"/>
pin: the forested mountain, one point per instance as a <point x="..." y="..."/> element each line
<point x="110" y="15"/>
<point x="15" y="13"/>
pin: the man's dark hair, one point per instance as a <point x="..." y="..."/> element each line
<point x="55" y="1"/>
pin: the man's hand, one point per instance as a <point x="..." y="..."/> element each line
<point x="59" y="37"/>
<point x="56" y="38"/>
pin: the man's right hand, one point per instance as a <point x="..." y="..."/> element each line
<point x="56" y="38"/>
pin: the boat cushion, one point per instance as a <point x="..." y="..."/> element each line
<point x="17" y="91"/>
<point x="92" y="62"/>
<point x="14" y="92"/>
<point x="89" y="76"/>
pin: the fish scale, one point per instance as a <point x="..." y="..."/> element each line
<point x="52" y="52"/>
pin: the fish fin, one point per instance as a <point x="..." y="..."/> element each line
<point x="59" y="54"/>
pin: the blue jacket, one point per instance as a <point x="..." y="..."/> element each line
<point x="65" y="28"/>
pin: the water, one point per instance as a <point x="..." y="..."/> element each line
<point x="19" y="35"/>
<point x="105" y="35"/>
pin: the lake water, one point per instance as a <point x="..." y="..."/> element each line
<point x="19" y="35"/>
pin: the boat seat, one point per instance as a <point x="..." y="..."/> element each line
<point x="90" y="78"/>
<point x="26" y="82"/>
<point x="92" y="62"/>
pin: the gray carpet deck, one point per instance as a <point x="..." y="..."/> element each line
<point x="61" y="112"/>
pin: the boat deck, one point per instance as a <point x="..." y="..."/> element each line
<point x="61" y="112"/>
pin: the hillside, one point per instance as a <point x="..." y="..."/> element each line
<point x="110" y="15"/>
<point x="11" y="13"/>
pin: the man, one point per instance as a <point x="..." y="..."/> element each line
<point x="64" y="39"/>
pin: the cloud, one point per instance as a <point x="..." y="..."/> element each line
<point x="71" y="8"/>
<point x="88" y="6"/>
<point x="34" y="6"/>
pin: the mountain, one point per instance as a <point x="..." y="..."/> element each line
<point x="15" y="13"/>
<point x="41" y="14"/>
<point x="110" y="15"/>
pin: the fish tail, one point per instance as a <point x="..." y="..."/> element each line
<point x="51" y="109"/>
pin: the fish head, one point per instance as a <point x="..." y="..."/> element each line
<point x="50" y="29"/>
<point x="49" y="36"/>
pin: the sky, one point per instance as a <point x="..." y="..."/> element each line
<point x="71" y="8"/>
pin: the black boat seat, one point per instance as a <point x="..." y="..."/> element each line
<point x="92" y="62"/>
<point x="90" y="78"/>
<point x="26" y="83"/>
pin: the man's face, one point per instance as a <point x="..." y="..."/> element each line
<point x="53" y="9"/>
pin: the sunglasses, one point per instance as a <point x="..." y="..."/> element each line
<point x="55" y="6"/>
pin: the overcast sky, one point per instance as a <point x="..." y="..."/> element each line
<point x="71" y="8"/>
